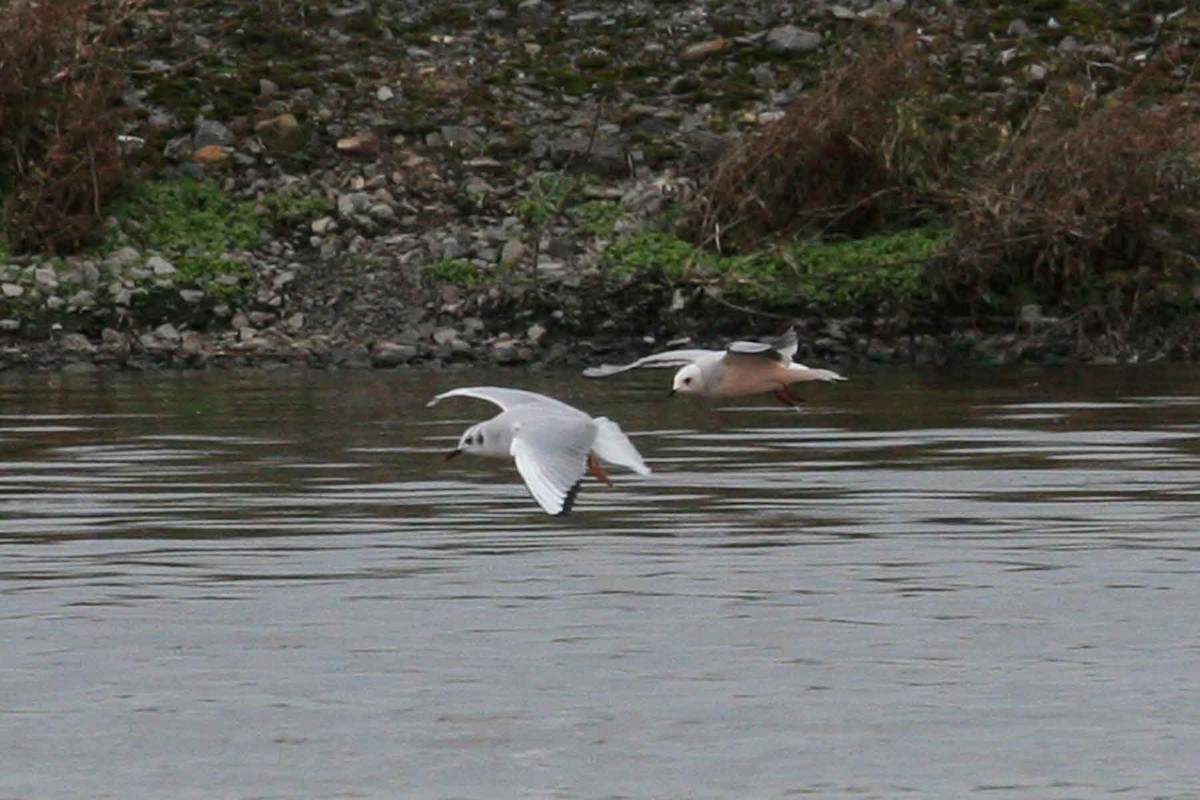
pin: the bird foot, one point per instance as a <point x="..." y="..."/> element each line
<point x="785" y="395"/>
<point x="597" y="471"/>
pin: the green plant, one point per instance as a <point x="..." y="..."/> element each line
<point x="456" y="271"/>
<point x="598" y="217"/>
<point x="292" y="207"/>
<point x="195" y="225"/>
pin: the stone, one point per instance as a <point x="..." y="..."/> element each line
<point x="167" y="333"/>
<point x="703" y="50"/>
<point x="535" y="333"/>
<point x="123" y="257"/>
<point x="392" y="354"/>
<point x="532" y="11"/>
<point x="790" y="40"/>
<point x="505" y="353"/>
<point x="445" y="335"/>
<point x="352" y="203"/>
<point x="214" y="155"/>
<point x="83" y="299"/>
<point x="191" y="296"/>
<point x="46" y="277"/>
<point x="9" y="325"/>
<point x="76" y="343"/>
<point x="282" y="131"/>
<point x="384" y="94"/>
<point x="359" y="144"/>
<point x="210" y="132"/>
<point x="160" y="266"/>
<point x="12" y="290"/>
<point x="324" y="225"/>
<point x="513" y="253"/>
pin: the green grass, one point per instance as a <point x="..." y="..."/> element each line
<point x="838" y="275"/>
<point x="196" y="226"/>
<point x="456" y="271"/>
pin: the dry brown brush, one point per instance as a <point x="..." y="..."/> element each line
<point x="843" y="159"/>
<point x="61" y="75"/>
<point x="1101" y="214"/>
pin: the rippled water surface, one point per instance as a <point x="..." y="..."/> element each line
<point x="933" y="585"/>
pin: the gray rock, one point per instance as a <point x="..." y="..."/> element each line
<point x="790" y="40"/>
<point x="12" y="289"/>
<point x="445" y="336"/>
<point x="9" y="325"/>
<point x="381" y="212"/>
<point x="46" y="277"/>
<point x="86" y="274"/>
<point x="76" y="343"/>
<point x="505" y="353"/>
<point x="513" y="253"/>
<point x="209" y="132"/>
<point x="384" y="94"/>
<point x="458" y="135"/>
<point x="532" y="12"/>
<point x="392" y="354"/>
<point x="585" y="17"/>
<point x="191" y="296"/>
<point x="123" y="257"/>
<point x="167" y="333"/>
<point x="324" y="225"/>
<point x="352" y="203"/>
<point x="82" y="299"/>
<point x="160" y="266"/>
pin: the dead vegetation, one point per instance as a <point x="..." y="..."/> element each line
<point x="841" y="160"/>
<point x="1078" y="195"/>
<point x="1100" y="217"/>
<point x="61" y="76"/>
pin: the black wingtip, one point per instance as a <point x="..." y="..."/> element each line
<point x="569" y="500"/>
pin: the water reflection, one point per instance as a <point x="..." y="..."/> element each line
<point x="927" y="584"/>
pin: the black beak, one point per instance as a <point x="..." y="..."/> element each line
<point x="671" y="393"/>
<point x="453" y="453"/>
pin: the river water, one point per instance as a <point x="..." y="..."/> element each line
<point x="924" y="584"/>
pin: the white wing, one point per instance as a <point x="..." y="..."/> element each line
<point x="551" y="454"/>
<point x="669" y="358"/>
<point x="505" y="398"/>
<point x="781" y="350"/>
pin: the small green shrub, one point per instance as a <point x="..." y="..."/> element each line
<point x="456" y="271"/>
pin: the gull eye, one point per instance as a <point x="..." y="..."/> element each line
<point x="687" y="381"/>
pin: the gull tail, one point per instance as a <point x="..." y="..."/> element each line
<point x="612" y="445"/>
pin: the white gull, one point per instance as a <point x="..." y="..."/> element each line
<point x="553" y="444"/>
<point x="742" y="368"/>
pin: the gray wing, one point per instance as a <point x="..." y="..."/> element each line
<point x="505" y="398"/>
<point x="668" y="358"/>
<point x="781" y="350"/>
<point x="551" y="454"/>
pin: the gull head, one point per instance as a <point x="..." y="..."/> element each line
<point x="688" y="380"/>
<point x="483" y="439"/>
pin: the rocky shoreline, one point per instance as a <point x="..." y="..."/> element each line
<point x="434" y="184"/>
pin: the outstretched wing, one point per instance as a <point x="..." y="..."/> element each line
<point x="668" y="358"/>
<point x="781" y="350"/>
<point x="505" y="398"/>
<point x="551" y="454"/>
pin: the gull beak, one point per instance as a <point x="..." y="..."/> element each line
<point x="671" y="393"/>
<point x="453" y="453"/>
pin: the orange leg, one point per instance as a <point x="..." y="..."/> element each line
<point x="597" y="471"/>
<point x="786" y="396"/>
